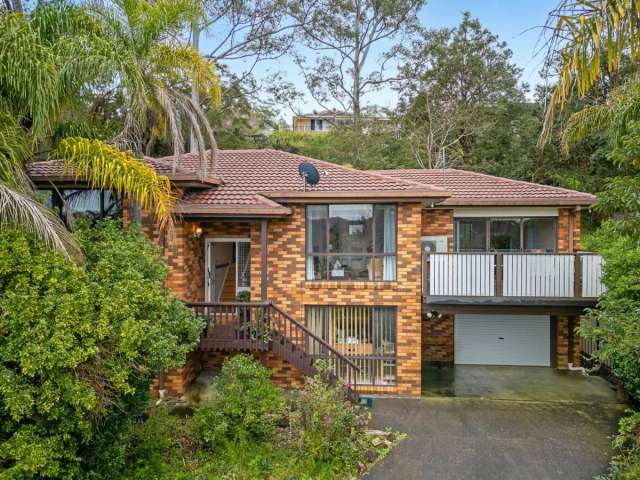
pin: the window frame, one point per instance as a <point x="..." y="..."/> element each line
<point x="372" y="255"/>
<point x="487" y="220"/>
<point x="58" y="202"/>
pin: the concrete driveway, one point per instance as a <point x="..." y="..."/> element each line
<point x="483" y="437"/>
<point x="515" y="383"/>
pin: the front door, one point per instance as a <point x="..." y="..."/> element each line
<point x="227" y="269"/>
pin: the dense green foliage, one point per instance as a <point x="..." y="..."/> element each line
<point x="614" y="323"/>
<point x="626" y="463"/>
<point x="88" y="82"/>
<point x="328" y="433"/>
<point x="80" y="347"/>
<point x="310" y="433"/>
<point x="244" y="404"/>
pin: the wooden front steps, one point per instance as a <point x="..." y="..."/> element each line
<point x="245" y="327"/>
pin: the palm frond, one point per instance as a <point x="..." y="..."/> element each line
<point x="621" y="109"/>
<point x="28" y="73"/>
<point x="19" y="210"/>
<point x="15" y="149"/>
<point x="587" y="37"/>
<point x="107" y="168"/>
<point x="197" y="119"/>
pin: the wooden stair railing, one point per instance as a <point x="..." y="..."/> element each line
<point x="261" y="326"/>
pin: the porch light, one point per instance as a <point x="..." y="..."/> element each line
<point x="196" y="230"/>
<point x="434" y="313"/>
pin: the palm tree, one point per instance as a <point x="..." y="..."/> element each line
<point x="54" y="56"/>
<point x="587" y="36"/>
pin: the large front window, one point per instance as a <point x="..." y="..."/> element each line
<point x="366" y="334"/>
<point x="351" y="242"/>
<point x="534" y="234"/>
<point x="71" y="204"/>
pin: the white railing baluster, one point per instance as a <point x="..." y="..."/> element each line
<point x="523" y="275"/>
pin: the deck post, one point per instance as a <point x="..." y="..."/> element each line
<point x="498" y="276"/>
<point x="577" y="276"/>
<point x="263" y="260"/>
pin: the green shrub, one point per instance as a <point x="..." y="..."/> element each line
<point x="329" y="430"/>
<point x="80" y="348"/>
<point x="615" y="318"/>
<point x="244" y="404"/>
<point x="159" y="448"/>
<point x="625" y="465"/>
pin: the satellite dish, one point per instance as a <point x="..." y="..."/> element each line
<point x="309" y="174"/>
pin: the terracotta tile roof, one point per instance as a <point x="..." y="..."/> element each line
<point x="54" y="171"/>
<point x="260" y="178"/>
<point x="471" y="188"/>
<point x="253" y="182"/>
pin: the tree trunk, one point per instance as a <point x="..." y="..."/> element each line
<point x="17" y="6"/>
<point x="466" y="143"/>
<point x="195" y="92"/>
<point x="357" y="121"/>
<point x="357" y="125"/>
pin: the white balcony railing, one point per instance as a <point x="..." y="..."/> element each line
<point x="560" y="275"/>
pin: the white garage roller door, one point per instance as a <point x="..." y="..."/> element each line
<point x="502" y="340"/>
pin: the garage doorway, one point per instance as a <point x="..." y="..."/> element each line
<point x="518" y="340"/>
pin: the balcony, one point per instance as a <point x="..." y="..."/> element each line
<point x="522" y="279"/>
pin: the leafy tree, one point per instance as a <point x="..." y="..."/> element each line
<point x="344" y="34"/>
<point x="122" y="54"/>
<point x="588" y="37"/>
<point x="80" y="347"/>
<point x="449" y="78"/>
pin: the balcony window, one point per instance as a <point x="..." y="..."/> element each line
<point x="531" y="234"/>
<point x="471" y="234"/>
<point x="366" y="334"/>
<point x="504" y="234"/>
<point x="539" y="234"/>
<point x="351" y="242"/>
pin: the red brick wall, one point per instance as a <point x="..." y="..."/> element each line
<point x="289" y="289"/>
<point x="284" y="374"/>
<point x="562" y="345"/>
<point x="438" y="222"/>
<point x="568" y="230"/>
<point x="437" y="339"/>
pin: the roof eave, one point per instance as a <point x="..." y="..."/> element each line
<point x="231" y="211"/>
<point x="178" y="179"/>
<point x="506" y="202"/>
<point x="371" y="195"/>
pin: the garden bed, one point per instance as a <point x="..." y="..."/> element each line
<point x="246" y="428"/>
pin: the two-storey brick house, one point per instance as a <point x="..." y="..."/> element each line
<point x="380" y="271"/>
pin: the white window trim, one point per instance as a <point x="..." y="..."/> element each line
<point x="493" y="212"/>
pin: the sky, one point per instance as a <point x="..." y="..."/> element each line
<point x="517" y="22"/>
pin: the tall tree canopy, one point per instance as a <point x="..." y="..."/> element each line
<point x="450" y="78"/>
<point x="344" y="34"/>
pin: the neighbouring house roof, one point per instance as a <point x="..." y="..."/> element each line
<point x="478" y="189"/>
<point x="324" y="114"/>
